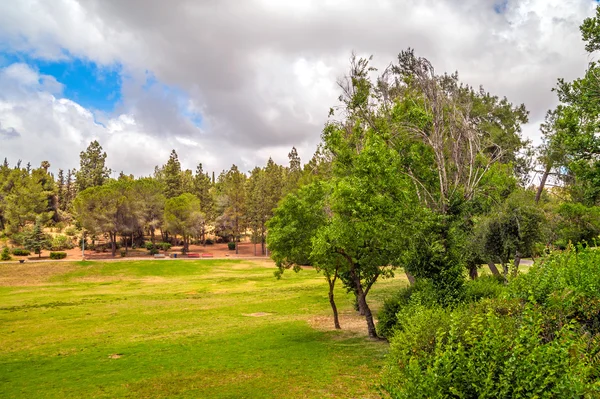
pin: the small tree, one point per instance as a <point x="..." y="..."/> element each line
<point x="5" y="254"/>
<point x="36" y="240"/>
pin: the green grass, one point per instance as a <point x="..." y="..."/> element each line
<point x="182" y="329"/>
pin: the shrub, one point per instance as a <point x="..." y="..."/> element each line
<point x="165" y="246"/>
<point x="61" y="242"/>
<point x="208" y="241"/>
<point x="71" y="231"/>
<point x="58" y="255"/>
<point x="5" y="254"/>
<point x="20" y="252"/>
<point x="153" y="251"/>
<point x="537" y="337"/>
<point x="123" y="253"/>
<point x="486" y="355"/>
<point x="483" y="287"/>
<point x="421" y="293"/>
<point x="231" y="245"/>
<point x="149" y="246"/>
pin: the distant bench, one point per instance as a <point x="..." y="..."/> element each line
<point x="193" y="255"/>
<point x="159" y="255"/>
<point x="207" y="255"/>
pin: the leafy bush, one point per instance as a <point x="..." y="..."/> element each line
<point x="153" y="251"/>
<point x="71" y="231"/>
<point x="5" y="254"/>
<point x="61" y="242"/>
<point x="149" y="246"/>
<point x="208" y="241"/>
<point x="537" y="337"/>
<point x="20" y="252"/>
<point x="231" y="245"/>
<point x="483" y="287"/>
<point x="165" y="246"/>
<point x="486" y="355"/>
<point x="123" y="253"/>
<point x="58" y="255"/>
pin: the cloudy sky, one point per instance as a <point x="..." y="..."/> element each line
<point x="239" y="81"/>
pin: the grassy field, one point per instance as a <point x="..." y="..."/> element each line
<point x="184" y="329"/>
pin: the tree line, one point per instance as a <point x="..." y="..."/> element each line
<point x="173" y="204"/>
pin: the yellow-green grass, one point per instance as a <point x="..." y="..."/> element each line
<point x="182" y="329"/>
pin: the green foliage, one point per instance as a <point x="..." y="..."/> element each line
<point x="485" y="287"/>
<point x="535" y="337"/>
<point x="164" y="246"/>
<point x="60" y="242"/>
<point x="153" y="251"/>
<point x="512" y="229"/>
<point x="58" y="255"/>
<point x="35" y="240"/>
<point x="92" y="170"/>
<point x="487" y="355"/>
<point x="21" y="252"/>
<point x="5" y="254"/>
<point x="231" y="245"/>
<point x="294" y="224"/>
<point x="71" y="231"/>
<point x="123" y="253"/>
<point x="209" y="241"/>
<point x="183" y="216"/>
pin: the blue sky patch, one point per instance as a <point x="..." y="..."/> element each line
<point x="92" y="86"/>
<point x="501" y="6"/>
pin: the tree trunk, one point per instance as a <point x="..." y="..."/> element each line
<point x="336" y="320"/>
<point x="516" y="263"/>
<point x="236" y="245"/>
<point x="262" y="239"/>
<point x="540" y="189"/>
<point x="493" y="268"/>
<point x="362" y="304"/>
<point x="505" y="271"/>
<point x="113" y="243"/>
<point x="473" y="274"/>
<point x="410" y="277"/>
<point x="152" y="238"/>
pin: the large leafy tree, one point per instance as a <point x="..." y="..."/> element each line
<point x="292" y="230"/>
<point x="92" y="167"/>
<point x="183" y="216"/>
<point x="264" y="188"/>
<point x="449" y="137"/>
<point x="107" y="209"/>
<point x="231" y="202"/>
<point x="203" y="189"/>
<point x="511" y="230"/>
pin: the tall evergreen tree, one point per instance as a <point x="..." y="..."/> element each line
<point x="92" y="169"/>
<point x="172" y="176"/>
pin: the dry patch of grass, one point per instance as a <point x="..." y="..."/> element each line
<point x="351" y="322"/>
<point x="31" y="274"/>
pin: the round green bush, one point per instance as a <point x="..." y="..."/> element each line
<point x="58" y="255"/>
<point x="21" y="252"/>
<point x="231" y="245"/>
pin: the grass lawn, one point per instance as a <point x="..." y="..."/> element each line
<point x="184" y="329"/>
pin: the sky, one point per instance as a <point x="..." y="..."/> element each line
<point x="231" y="81"/>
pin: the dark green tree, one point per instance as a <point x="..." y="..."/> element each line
<point x="92" y="169"/>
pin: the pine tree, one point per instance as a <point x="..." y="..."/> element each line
<point x="172" y="176"/>
<point x="92" y="170"/>
<point x="61" y="190"/>
<point x="36" y="240"/>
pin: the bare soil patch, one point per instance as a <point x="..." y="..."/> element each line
<point x="351" y="323"/>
